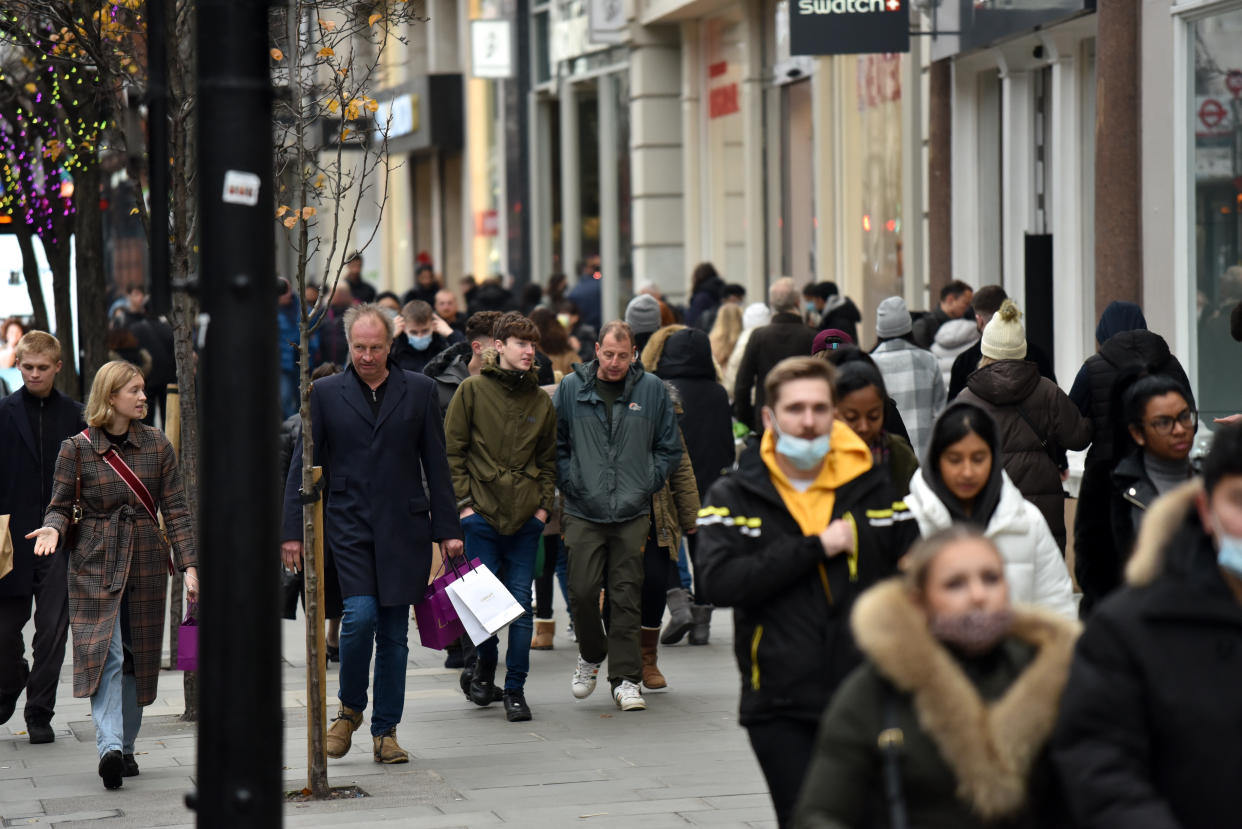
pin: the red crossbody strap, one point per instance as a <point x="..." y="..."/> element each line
<point x="120" y="467"/>
<point x="135" y="484"/>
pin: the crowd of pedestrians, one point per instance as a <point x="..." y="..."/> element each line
<point x="887" y="527"/>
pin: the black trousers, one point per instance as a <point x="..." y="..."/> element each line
<point x="783" y="748"/>
<point x="51" y="616"/>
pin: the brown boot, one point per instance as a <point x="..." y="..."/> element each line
<point x="545" y="630"/>
<point x="652" y="677"/>
<point x="341" y="732"/>
<point x="386" y="748"/>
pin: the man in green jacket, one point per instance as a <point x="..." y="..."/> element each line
<point x="500" y="433"/>
<point x="616" y="444"/>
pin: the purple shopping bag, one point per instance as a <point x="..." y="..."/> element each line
<point x="438" y="624"/>
<point x="187" y="640"/>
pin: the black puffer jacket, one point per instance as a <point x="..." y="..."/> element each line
<point x="1148" y="732"/>
<point x="841" y="313"/>
<point x="1001" y="389"/>
<point x="791" y="605"/>
<point x="686" y="363"/>
<point x="449" y="368"/>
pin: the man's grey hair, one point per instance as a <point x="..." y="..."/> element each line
<point x="783" y="295"/>
<point x="369" y="309"/>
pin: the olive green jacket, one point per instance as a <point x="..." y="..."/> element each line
<point x="500" y="433"/>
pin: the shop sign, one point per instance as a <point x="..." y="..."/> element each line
<point x="1213" y="163"/>
<point x="491" y="49"/>
<point x="487" y="223"/>
<point x="399" y="116"/>
<point x="723" y="100"/>
<point x="606" y="21"/>
<point x="848" y="27"/>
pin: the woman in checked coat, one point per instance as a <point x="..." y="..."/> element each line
<point x="119" y="561"/>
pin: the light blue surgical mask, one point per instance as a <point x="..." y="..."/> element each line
<point x="803" y="453"/>
<point x="419" y="343"/>
<point x="1228" y="549"/>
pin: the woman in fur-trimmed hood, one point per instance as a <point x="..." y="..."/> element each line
<point x="970" y="684"/>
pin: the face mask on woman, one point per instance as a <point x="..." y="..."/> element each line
<point x="975" y="632"/>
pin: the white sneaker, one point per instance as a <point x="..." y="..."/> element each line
<point x="584" y="678"/>
<point x="629" y="697"/>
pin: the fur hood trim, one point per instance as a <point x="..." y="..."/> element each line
<point x="654" y="349"/>
<point x="1161" y="522"/>
<point x="989" y="746"/>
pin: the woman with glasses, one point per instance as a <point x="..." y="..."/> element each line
<point x="1161" y="422"/>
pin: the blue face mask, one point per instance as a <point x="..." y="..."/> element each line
<point x="1229" y="550"/>
<point x="803" y="453"/>
<point x="419" y="343"/>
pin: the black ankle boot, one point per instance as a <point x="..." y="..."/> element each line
<point x="483" y="683"/>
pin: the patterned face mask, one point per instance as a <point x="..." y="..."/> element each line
<point x="975" y="632"/>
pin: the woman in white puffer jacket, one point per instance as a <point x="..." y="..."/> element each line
<point x="962" y="481"/>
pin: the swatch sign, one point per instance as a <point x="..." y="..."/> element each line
<point x="848" y="27"/>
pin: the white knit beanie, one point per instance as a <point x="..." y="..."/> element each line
<point x="1004" y="338"/>
<point x="755" y="315"/>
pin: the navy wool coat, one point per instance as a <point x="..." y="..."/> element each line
<point x="24" y="492"/>
<point x="379" y="521"/>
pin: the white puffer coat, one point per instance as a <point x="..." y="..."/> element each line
<point x="952" y="338"/>
<point x="1034" y="568"/>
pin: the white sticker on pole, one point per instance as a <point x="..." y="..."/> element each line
<point x="241" y="188"/>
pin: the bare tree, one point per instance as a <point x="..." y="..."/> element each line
<point x="331" y="163"/>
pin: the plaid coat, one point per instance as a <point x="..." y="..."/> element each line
<point x="913" y="379"/>
<point x="118" y="551"/>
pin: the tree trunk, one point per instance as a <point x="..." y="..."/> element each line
<point x="182" y="319"/>
<point x="30" y="269"/>
<point x="68" y="380"/>
<point x="89" y="258"/>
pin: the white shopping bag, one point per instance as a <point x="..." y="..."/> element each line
<point x="482" y="603"/>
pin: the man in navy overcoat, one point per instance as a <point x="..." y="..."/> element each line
<point x="378" y="436"/>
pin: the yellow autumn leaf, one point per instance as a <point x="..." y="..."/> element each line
<point x="334" y="105"/>
<point x="290" y="221"/>
<point x="278" y="55"/>
<point x="325" y="52"/>
<point x="327" y="25"/>
<point x="345" y="133"/>
<point x="307" y="212"/>
<point x="372" y="105"/>
<point x="319" y="180"/>
<point x="282" y="210"/>
<point x="371" y="20"/>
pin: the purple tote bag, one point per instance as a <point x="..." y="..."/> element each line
<point x="187" y="640"/>
<point x="438" y="624"/>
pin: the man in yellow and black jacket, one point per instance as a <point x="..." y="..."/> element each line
<point x="788" y="541"/>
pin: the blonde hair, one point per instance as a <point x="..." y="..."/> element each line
<point x="725" y="332"/>
<point x="39" y="342"/>
<point x="916" y="564"/>
<point x="111" y="378"/>
<point x="985" y="361"/>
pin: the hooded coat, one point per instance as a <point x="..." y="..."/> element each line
<point x="1001" y="389"/>
<point x="500" y="437"/>
<point x="682" y="358"/>
<point x="952" y="339"/>
<point x="974" y="729"/>
<point x="1034" y="568"/>
<point x="705" y="298"/>
<point x="1148" y="732"/>
<point x="1095" y="552"/>
<point x="790" y="602"/>
<point x="449" y="369"/>
<point x="841" y="313"/>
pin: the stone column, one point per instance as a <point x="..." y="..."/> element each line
<point x="1118" y="173"/>
<point x="940" y="176"/>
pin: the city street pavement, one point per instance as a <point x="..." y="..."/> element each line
<point x="683" y="762"/>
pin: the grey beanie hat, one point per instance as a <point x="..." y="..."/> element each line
<point x="892" y="318"/>
<point x="643" y="314"/>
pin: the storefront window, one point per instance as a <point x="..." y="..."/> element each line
<point x="1217" y="124"/>
<point x="724" y="186"/>
<point x="879" y="148"/>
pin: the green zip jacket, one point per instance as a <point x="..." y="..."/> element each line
<point x="500" y="432"/>
<point x="608" y="474"/>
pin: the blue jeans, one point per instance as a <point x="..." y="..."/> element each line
<point x="114" y="705"/>
<point x="512" y="559"/>
<point x="366" y="624"/>
<point x="683" y="566"/>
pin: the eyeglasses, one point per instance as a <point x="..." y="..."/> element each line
<point x="1163" y="425"/>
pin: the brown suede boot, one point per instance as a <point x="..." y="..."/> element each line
<point x="545" y="630"/>
<point x="652" y="677"/>
<point x="386" y="748"/>
<point x="341" y="732"/>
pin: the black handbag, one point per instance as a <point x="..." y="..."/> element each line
<point x="891" y="741"/>
<point x="1050" y="446"/>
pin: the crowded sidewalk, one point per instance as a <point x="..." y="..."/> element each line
<point x="578" y="763"/>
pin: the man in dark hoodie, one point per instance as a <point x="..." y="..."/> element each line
<point x="954" y="303"/>
<point x="1123" y="343"/>
<point x="424" y="336"/>
<point x="454" y="364"/>
<point x="835" y="311"/>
